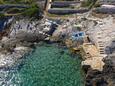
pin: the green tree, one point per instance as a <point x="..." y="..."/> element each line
<point x="89" y="3"/>
<point x="1" y="1"/>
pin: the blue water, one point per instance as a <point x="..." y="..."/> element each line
<point x="49" y="65"/>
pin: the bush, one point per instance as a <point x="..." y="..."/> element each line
<point x="1" y="1"/>
<point x="88" y="3"/>
<point x="34" y="10"/>
<point x="1" y="15"/>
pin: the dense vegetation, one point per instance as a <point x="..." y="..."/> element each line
<point x="90" y="3"/>
<point x="31" y="10"/>
<point x="16" y="1"/>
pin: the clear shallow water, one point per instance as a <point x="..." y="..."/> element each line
<point x="48" y="66"/>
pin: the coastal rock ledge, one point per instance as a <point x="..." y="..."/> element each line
<point x="100" y="78"/>
<point x="24" y="34"/>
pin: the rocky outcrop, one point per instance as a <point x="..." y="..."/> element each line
<point x="94" y="77"/>
<point x="106" y="76"/>
<point x="103" y="78"/>
<point x="24" y="34"/>
<point x="5" y="23"/>
<point x="8" y="59"/>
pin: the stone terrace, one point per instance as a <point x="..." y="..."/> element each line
<point x="65" y="7"/>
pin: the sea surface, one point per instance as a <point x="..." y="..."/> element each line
<point x="47" y="65"/>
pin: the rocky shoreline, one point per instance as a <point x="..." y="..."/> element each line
<point x="21" y="41"/>
<point x="100" y="78"/>
<point x="94" y="77"/>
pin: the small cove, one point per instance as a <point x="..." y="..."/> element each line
<point x="48" y="65"/>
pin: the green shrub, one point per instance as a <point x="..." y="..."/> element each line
<point x="89" y="3"/>
<point x="1" y="15"/>
<point x="32" y="11"/>
<point x="1" y="1"/>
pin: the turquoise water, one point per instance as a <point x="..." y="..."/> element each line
<point x="50" y="66"/>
